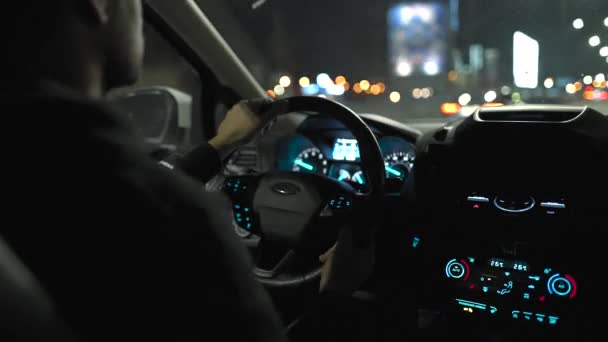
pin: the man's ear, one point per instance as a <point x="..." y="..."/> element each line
<point x="100" y="9"/>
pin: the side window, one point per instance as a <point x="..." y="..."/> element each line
<point x="165" y="71"/>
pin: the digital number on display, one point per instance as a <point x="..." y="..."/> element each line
<point x="510" y="265"/>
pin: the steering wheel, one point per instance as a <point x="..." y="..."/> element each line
<point x="287" y="210"/>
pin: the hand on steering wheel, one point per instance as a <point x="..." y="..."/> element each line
<point x="284" y="208"/>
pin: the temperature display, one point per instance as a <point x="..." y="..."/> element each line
<point x="509" y="265"/>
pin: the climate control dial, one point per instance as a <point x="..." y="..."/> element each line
<point x="457" y="269"/>
<point x="562" y="286"/>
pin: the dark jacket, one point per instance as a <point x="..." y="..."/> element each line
<point x="126" y="248"/>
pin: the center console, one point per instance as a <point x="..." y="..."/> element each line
<point x="535" y="294"/>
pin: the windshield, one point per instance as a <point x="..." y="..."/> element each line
<point x="423" y="59"/>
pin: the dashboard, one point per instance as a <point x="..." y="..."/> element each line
<point x="497" y="231"/>
<point x="323" y="146"/>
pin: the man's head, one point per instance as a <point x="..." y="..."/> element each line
<point x="90" y="45"/>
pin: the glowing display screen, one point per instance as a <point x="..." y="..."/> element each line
<point x="346" y="149"/>
<point x="509" y="265"/>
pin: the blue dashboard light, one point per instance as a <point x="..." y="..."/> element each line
<point x="526" y="296"/>
<point x="559" y="285"/>
<point x="471" y="304"/>
<point x="346" y="149"/>
<point x="534" y="277"/>
<point x="548" y="270"/>
<point x="304" y="165"/>
<point x="553" y="320"/>
<point x="507" y="274"/>
<point x="416" y="242"/>
<point x="471" y="260"/>
<point x="485" y="289"/>
<point x="359" y="179"/>
<point x="392" y="171"/>
<point x="531" y="286"/>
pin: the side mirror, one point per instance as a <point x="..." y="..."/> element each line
<point x="163" y="115"/>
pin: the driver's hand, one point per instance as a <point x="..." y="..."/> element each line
<point x="241" y="123"/>
<point x="346" y="267"/>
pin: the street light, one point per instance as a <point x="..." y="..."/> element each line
<point x="578" y="23"/>
<point x="606" y="22"/>
<point x="490" y="96"/>
<point x="549" y="83"/>
<point x="594" y="41"/>
<point x="604" y="51"/>
<point x="464" y="99"/>
<point x="588" y="79"/>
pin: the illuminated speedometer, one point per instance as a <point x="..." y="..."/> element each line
<point x="311" y="160"/>
<point x="398" y="164"/>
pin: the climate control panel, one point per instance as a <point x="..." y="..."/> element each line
<point x="510" y="289"/>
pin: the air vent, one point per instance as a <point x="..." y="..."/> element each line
<point x="528" y="115"/>
<point x="246" y="158"/>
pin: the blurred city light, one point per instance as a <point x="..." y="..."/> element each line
<point x="335" y="90"/>
<point x="596" y="83"/>
<point x="604" y="51"/>
<point x="587" y="79"/>
<point x="452" y="75"/>
<point x="505" y="90"/>
<point x="346" y="86"/>
<point x="404" y="69"/>
<point x="364" y="85"/>
<point x="600" y="77"/>
<point x="304" y="82"/>
<point x="425" y="93"/>
<point x="571" y="88"/>
<point x="516" y="97"/>
<point x="395" y="97"/>
<point x="311" y="89"/>
<point x="324" y="81"/>
<point x="526" y="52"/>
<point x="285" y="81"/>
<point x="382" y="87"/>
<point x="490" y="96"/>
<point x="417" y="93"/>
<point x="549" y="83"/>
<point x="578" y="23"/>
<point x="493" y="104"/>
<point x="594" y="41"/>
<point x="450" y="108"/>
<point x="323" y="96"/>
<point x="464" y="99"/>
<point x="410" y="12"/>
<point x="431" y="68"/>
<point x="340" y="80"/>
<point x="375" y="89"/>
<point x="279" y="90"/>
<point x="357" y="88"/>
<point x="271" y="93"/>
<point x="578" y="86"/>
<point x="606" y="21"/>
